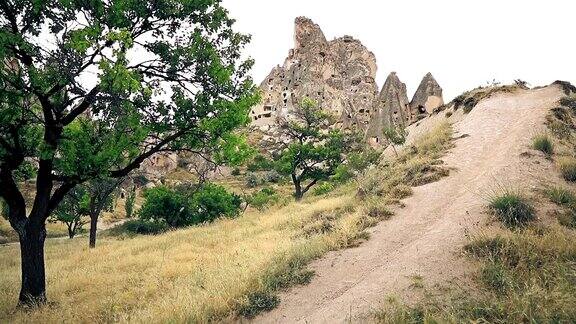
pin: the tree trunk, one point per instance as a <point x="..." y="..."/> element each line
<point x="33" y="289"/>
<point x="298" y="194"/>
<point x="93" y="229"/>
<point x="297" y="187"/>
<point x="71" y="231"/>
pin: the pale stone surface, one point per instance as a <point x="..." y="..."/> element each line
<point x="428" y="96"/>
<point x="340" y="76"/>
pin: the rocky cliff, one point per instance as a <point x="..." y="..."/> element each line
<point x="340" y="76"/>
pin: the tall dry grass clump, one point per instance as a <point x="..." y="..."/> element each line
<point x="419" y="163"/>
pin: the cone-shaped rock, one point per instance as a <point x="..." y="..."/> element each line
<point x="391" y="108"/>
<point x="428" y="96"/>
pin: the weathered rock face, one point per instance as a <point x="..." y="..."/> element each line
<point x="339" y="75"/>
<point x="390" y="109"/>
<point x="428" y="96"/>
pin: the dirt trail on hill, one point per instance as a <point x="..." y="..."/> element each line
<point x="426" y="237"/>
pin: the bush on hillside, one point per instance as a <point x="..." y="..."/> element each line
<point x="141" y="226"/>
<point x="323" y="189"/>
<point x="263" y="198"/>
<point x="260" y="163"/>
<point x="567" y="166"/>
<point x="178" y="208"/>
<point x="512" y="209"/>
<point x="543" y="143"/>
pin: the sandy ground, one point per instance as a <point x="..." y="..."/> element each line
<point x="425" y="238"/>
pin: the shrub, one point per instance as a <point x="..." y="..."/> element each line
<point x="252" y="180"/>
<point x="323" y="189"/>
<point x="261" y="199"/>
<point x="130" y="202"/>
<point x="512" y="209"/>
<point x="257" y="302"/>
<point x="569" y="102"/>
<point x="543" y="143"/>
<point x="165" y="204"/>
<point x="561" y="196"/>
<point x="567" y="166"/>
<point x="260" y="163"/>
<point x="141" y="226"/>
<point x="178" y="208"/>
<point x="212" y="201"/>
<point x="272" y="176"/>
<point x="236" y="172"/>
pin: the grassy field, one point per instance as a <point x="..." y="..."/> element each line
<point x="218" y="271"/>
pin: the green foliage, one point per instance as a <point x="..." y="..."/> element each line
<point x="323" y="189"/>
<point x="316" y="150"/>
<point x="561" y="196"/>
<point x="130" y="201"/>
<point x="142" y="226"/>
<point x="263" y="198"/>
<point x="47" y="108"/>
<point x="257" y="302"/>
<point x="512" y="209"/>
<point x="260" y="163"/>
<point x="71" y="211"/>
<point x="356" y="163"/>
<point x="25" y="171"/>
<point x="252" y="180"/>
<point x="395" y="135"/>
<point x="178" y="208"/>
<point x="543" y="143"/>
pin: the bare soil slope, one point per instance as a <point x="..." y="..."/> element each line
<point x="425" y="238"/>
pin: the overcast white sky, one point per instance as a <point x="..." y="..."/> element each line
<point x="463" y="43"/>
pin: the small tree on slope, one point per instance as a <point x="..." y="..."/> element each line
<point x="315" y="150"/>
<point x="91" y="89"/>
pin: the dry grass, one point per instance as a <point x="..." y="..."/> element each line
<point x="214" y="272"/>
<point x="524" y="276"/>
<point x="188" y="275"/>
<point x="419" y="164"/>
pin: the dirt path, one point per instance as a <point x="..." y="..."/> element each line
<point x="425" y="237"/>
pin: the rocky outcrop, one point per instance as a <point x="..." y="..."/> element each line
<point x="340" y="76"/>
<point x="428" y="96"/>
<point x="390" y="109"/>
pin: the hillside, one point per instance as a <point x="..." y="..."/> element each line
<point x="425" y="238"/>
<point x="341" y="256"/>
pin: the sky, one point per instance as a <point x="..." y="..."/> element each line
<point x="464" y="44"/>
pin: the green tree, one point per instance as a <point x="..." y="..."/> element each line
<point x="101" y="192"/>
<point x="189" y="205"/>
<point x="72" y="210"/>
<point x="396" y="135"/>
<point x="91" y="89"/>
<point x="130" y="202"/>
<point x="315" y="148"/>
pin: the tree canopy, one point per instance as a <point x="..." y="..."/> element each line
<point x="93" y="88"/>
<point x="315" y="148"/>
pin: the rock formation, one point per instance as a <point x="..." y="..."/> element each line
<point x="340" y="76"/>
<point x="428" y="96"/>
<point x="390" y="108"/>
